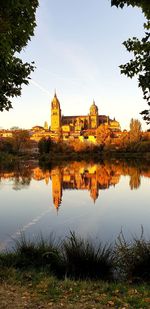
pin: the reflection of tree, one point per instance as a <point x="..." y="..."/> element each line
<point x="21" y="182"/>
<point x="135" y="179"/>
<point x="21" y="176"/>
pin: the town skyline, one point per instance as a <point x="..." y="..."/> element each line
<point x="48" y="119"/>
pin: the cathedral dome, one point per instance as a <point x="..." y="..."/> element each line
<point x="93" y="109"/>
<point x="55" y="102"/>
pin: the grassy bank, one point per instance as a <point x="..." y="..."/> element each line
<point x="32" y="289"/>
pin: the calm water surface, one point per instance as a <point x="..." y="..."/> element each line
<point x="95" y="200"/>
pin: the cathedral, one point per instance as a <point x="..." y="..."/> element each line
<point x="75" y="125"/>
<point x="82" y="127"/>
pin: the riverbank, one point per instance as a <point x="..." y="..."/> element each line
<point x="51" y="159"/>
<point x="29" y="289"/>
<point x="9" y="161"/>
<point x="47" y="161"/>
<point x="58" y="156"/>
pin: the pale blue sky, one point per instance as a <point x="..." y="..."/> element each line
<point x="77" y="49"/>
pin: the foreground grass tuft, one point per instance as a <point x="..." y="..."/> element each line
<point x="84" y="261"/>
<point x="38" y="254"/>
<point x="133" y="258"/>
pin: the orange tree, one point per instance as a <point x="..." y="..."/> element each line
<point x="135" y="130"/>
<point x="103" y="133"/>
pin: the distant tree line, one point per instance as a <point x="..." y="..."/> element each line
<point x="18" y="141"/>
<point x="130" y="142"/>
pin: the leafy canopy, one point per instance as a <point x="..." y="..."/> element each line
<point x="17" y="23"/>
<point x="140" y="64"/>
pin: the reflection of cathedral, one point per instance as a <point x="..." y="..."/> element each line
<point x="77" y="176"/>
<point x="78" y="123"/>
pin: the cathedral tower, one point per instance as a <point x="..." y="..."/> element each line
<point x="94" y="188"/>
<point x="55" y="114"/>
<point x="93" y="116"/>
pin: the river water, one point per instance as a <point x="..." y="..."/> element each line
<point x="96" y="201"/>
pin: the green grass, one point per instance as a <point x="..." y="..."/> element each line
<point x="37" y="289"/>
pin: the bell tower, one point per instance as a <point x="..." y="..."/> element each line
<point x="93" y="116"/>
<point x="55" y="114"/>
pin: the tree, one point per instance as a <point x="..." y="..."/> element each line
<point x="103" y="134"/>
<point x="45" y="145"/>
<point x="140" y="65"/>
<point x="20" y="139"/>
<point x="123" y="141"/>
<point x="6" y="146"/>
<point x="17" y="23"/>
<point x="135" y="130"/>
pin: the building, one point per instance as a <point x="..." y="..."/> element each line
<point x="76" y="125"/>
